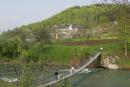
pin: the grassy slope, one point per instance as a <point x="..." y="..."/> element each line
<point x="124" y="63"/>
<point x="4" y="84"/>
<point x="63" y="54"/>
<point x="57" y="53"/>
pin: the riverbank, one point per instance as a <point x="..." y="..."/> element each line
<point x="74" y="53"/>
<point x="115" y="61"/>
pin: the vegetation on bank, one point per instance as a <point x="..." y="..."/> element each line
<point x="63" y="54"/>
<point x="6" y="84"/>
<point x="124" y="63"/>
<point x="34" y="41"/>
<point x="51" y="52"/>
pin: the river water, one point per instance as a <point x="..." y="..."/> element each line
<point x="102" y="78"/>
<point x="96" y="78"/>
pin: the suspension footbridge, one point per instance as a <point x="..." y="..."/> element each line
<point x="91" y="60"/>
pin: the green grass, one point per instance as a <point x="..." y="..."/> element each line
<point x="124" y="63"/>
<point x="108" y="48"/>
<point x="58" y="53"/>
<point x="6" y="84"/>
<point x="82" y="39"/>
<point x="75" y="39"/>
<point x="63" y="54"/>
<point x="128" y="40"/>
<point x="129" y="43"/>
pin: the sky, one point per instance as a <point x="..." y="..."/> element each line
<point x="22" y="12"/>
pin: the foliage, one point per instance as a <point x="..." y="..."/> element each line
<point x="42" y="35"/>
<point x="124" y="21"/>
<point x="124" y="63"/>
<point x="6" y="84"/>
<point x="64" y="84"/>
<point x="24" y="71"/>
<point x="88" y="16"/>
<point x="10" y="48"/>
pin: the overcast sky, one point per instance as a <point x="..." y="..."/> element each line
<point x="21" y="12"/>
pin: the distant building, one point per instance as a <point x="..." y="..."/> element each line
<point x="65" y="32"/>
<point x="76" y="31"/>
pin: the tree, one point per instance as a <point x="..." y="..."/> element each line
<point x="124" y="22"/>
<point x="10" y="47"/>
<point x="42" y="34"/>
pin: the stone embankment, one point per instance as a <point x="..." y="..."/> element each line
<point x="109" y="62"/>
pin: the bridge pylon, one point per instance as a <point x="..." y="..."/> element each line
<point x="97" y="62"/>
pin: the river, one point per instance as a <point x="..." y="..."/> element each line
<point x="96" y="78"/>
<point x="102" y="78"/>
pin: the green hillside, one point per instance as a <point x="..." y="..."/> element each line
<point x="22" y="42"/>
<point x="85" y="16"/>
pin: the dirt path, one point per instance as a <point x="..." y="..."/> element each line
<point x="89" y="42"/>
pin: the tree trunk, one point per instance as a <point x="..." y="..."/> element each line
<point x="126" y="48"/>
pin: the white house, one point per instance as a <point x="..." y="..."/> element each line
<point x="65" y="32"/>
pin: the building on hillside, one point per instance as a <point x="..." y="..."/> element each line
<point x="69" y="31"/>
<point x="76" y="31"/>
